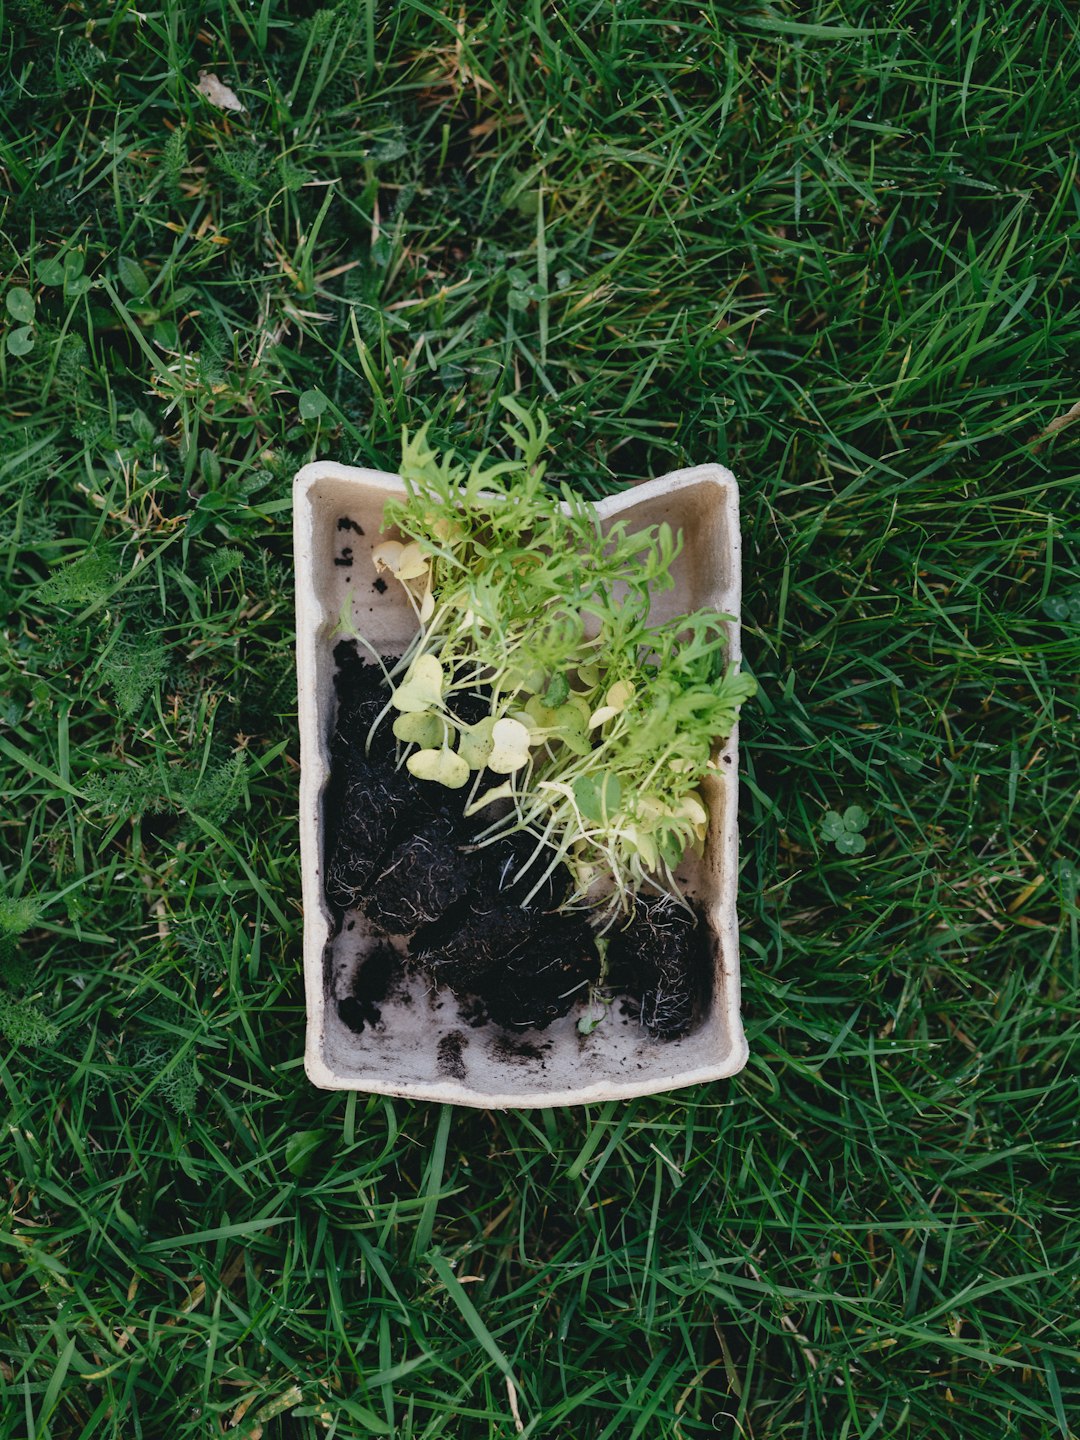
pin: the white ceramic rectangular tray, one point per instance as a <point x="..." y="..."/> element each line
<point x="423" y="1046"/>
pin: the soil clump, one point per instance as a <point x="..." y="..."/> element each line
<point x="657" y="957"/>
<point x="371" y="985"/>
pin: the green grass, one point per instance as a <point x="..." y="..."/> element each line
<point x="831" y="245"/>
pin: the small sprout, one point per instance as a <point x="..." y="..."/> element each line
<point x="413" y="563"/>
<point x="442" y="766"/>
<point x="671" y="848"/>
<point x="566" y="724"/>
<point x="843" y="830"/>
<point x="574" y="715"/>
<point x="505" y="791"/>
<point x="576" y="741"/>
<point x="594" y="1015"/>
<point x="387" y="556"/>
<point x="616" y="700"/>
<point x="422" y="688"/>
<point x="693" y="810"/>
<point x="526" y="676"/>
<point x="542" y="718"/>
<point x="444" y="527"/>
<point x="644" y="844"/>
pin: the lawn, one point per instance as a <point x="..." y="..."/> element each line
<point x="831" y="245"/>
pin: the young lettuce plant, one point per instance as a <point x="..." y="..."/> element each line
<point x="502" y="582"/>
<point x="603" y="725"/>
<point x="627" y="809"/>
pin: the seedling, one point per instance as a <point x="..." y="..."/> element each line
<point x="602" y="723"/>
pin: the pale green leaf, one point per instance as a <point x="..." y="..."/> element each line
<point x="422" y="688"/>
<point x="477" y="743"/>
<point x="442" y="766"/>
<point x="425" y="728"/>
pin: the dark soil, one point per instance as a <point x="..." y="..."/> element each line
<point x="450" y="1052"/>
<point x="401" y="851"/>
<point x="658" y="957"/>
<point x="371" y="984"/>
<point x="372" y="805"/>
<point x="539" y="983"/>
<point x="362" y="695"/>
<point x="460" y="955"/>
<point x="422" y="878"/>
<point x="507" y="1048"/>
<point x="511" y="868"/>
<point x="528" y="968"/>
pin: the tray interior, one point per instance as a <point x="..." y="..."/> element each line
<point x="424" y="1045"/>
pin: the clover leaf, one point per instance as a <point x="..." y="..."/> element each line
<point x="844" y="830"/>
<point x="1065" y="609"/>
<point x="20" y="304"/>
<point x="311" y="404"/>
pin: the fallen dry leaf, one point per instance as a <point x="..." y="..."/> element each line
<point x="217" y="93"/>
<point x="1058" y="423"/>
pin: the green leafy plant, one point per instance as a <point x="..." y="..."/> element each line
<point x="845" y="831"/>
<point x="23" y="1023"/>
<point x="603" y="723"/>
<point x="132" y="669"/>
